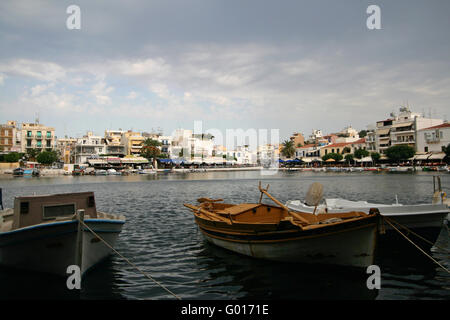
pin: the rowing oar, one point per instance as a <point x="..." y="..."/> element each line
<point x="295" y="215"/>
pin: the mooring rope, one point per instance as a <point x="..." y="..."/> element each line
<point x="419" y="236"/>
<point x="387" y="220"/>
<point x="129" y="262"/>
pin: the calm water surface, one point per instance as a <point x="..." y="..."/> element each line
<point x="160" y="236"/>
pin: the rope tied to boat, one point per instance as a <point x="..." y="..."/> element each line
<point x="404" y="236"/>
<point x="127" y="260"/>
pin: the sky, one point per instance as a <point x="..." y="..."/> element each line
<point x="249" y="64"/>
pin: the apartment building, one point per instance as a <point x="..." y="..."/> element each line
<point x="89" y="146"/>
<point x="37" y="136"/>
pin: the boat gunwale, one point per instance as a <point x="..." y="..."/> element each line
<point x="56" y="223"/>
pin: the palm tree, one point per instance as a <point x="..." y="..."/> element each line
<point x="288" y="149"/>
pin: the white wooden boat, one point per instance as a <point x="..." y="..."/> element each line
<point x="40" y="233"/>
<point x="423" y="219"/>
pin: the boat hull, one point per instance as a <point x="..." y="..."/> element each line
<point x="424" y="219"/>
<point x="349" y="245"/>
<point x="52" y="247"/>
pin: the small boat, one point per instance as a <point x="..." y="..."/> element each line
<point x="423" y="219"/>
<point x="147" y="171"/>
<point x="101" y="172"/>
<point x="113" y="172"/>
<point x="41" y="233"/>
<point x="18" y="172"/>
<point x="274" y="232"/>
<point x="27" y="172"/>
<point x="78" y="172"/>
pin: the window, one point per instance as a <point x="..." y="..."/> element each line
<point x="24" y="207"/>
<point x="425" y="149"/>
<point x="39" y="144"/>
<point x="48" y="143"/>
<point x="49" y="134"/>
<point x="29" y="133"/>
<point x="39" y="134"/>
<point x="50" y="212"/>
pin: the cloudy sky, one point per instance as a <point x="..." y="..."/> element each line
<point x="289" y="65"/>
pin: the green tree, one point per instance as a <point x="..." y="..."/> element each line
<point x="288" y="149"/>
<point x="362" y="133"/>
<point x="150" y="148"/>
<point x="349" y="158"/>
<point x="375" y="156"/>
<point x="361" y="153"/>
<point x="447" y="150"/>
<point x="400" y="152"/>
<point x="32" y="154"/>
<point x="12" y="157"/>
<point x="346" y="150"/>
<point x="332" y="155"/>
<point x="299" y="145"/>
<point x="47" y="157"/>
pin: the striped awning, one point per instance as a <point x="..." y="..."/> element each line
<point x="421" y="156"/>
<point x="383" y="131"/>
<point x="402" y="124"/>
<point x="437" y="156"/>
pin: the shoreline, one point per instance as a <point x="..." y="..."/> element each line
<point x="391" y="169"/>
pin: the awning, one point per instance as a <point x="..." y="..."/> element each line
<point x="365" y="159"/>
<point x="134" y="160"/>
<point x="306" y="160"/>
<point x="383" y="131"/>
<point x="402" y="124"/>
<point x="96" y="161"/>
<point x="421" y="156"/>
<point x="330" y="160"/>
<point x="437" y="156"/>
<point x="165" y="160"/>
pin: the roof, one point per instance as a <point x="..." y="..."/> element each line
<point x="444" y="125"/>
<point x="362" y="140"/>
<point x="336" y="145"/>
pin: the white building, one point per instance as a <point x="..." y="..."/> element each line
<point x="401" y="129"/>
<point x="88" y="147"/>
<point x="191" y="147"/>
<point x="433" y="139"/>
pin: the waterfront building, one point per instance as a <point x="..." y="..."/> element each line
<point x="298" y="139"/>
<point x="344" y="147"/>
<point x="9" y="134"/>
<point x="348" y="134"/>
<point x="401" y="129"/>
<point x="370" y="139"/>
<point x="308" y="152"/>
<point x="114" y="144"/>
<point x="267" y="154"/>
<point x="133" y="142"/>
<point x="187" y="145"/>
<point x="88" y="147"/>
<point x="166" y="141"/>
<point x="66" y="147"/>
<point x="37" y="136"/>
<point x="433" y="139"/>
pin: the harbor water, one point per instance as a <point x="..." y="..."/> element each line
<point x="160" y="236"/>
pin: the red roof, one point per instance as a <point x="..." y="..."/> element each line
<point x="444" y="125"/>
<point x="335" y="145"/>
<point x="362" y="140"/>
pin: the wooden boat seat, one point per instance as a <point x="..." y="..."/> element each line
<point x="239" y="208"/>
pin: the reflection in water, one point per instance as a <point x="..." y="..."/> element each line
<point x="160" y="236"/>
